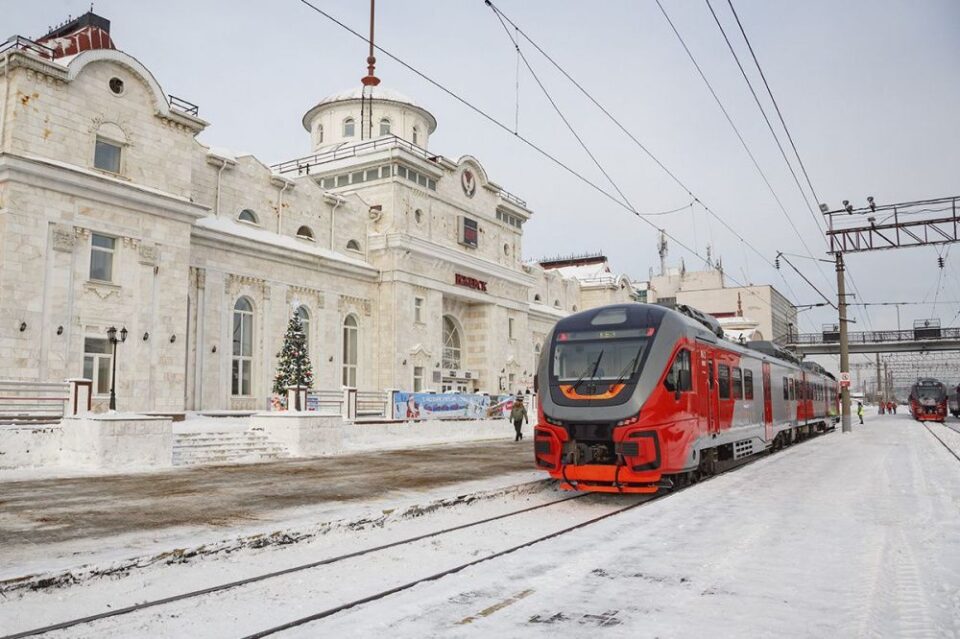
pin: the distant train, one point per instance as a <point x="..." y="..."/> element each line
<point x="928" y="400"/>
<point x="636" y="397"/>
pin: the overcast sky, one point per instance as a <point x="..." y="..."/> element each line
<point x="869" y="88"/>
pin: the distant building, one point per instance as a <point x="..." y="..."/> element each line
<point x="599" y="285"/>
<point x="774" y="315"/>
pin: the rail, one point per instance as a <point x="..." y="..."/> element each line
<point x="183" y="106"/>
<point x="873" y="337"/>
<point x="24" y="402"/>
<point x="19" y="43"/>
<point x="303" y="165"/>
<point x="325" y="401"/>
<point x="372" y="404"/>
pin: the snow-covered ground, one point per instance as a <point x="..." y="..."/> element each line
<point x="846" y="535"/>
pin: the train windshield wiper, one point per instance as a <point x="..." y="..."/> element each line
<point x="630" y="369"/>
<point x="593" y="373"/>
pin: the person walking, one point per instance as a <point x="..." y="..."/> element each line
<point x="860" y="412"/>
<point x="518" y="415"/>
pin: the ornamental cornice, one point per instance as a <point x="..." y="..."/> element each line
<point x="305" y="294"/>
<point x="349" y="302"/>
<point x="64" y="238"/>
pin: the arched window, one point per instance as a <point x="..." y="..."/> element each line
<point x="348" y="128"/>
<point x="452" y="344"/>
<point x="537" y="298"/>
<point x="248" y="216"/>
<point x="304" y="316"/>
<point x="351" y="330"/>
<point x="384" y="126"/>
<point x="416" y="135"/>
<point x="242" y="348"/>
<point x="353" y="245"/>
<point x="305" y="233"/>
<point x="319" y="133"/>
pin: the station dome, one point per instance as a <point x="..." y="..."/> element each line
<point x="336" y="119"/>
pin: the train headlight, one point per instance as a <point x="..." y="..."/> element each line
<point x="551" y="420"/>
<point x="629" y="420"/>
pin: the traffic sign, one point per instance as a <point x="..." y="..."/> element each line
<point x="845" y="379"/>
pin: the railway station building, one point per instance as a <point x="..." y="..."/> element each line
<point x="405" y="265"/>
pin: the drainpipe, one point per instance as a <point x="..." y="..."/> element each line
<point x="286" y="185"/>
<point x="6" y="98"/>
<point x="333" y="217"/>
<point x="223" y="165"/>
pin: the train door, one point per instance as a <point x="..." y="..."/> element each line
<point x="713" y="400"/>
<point x="767" y="402"/>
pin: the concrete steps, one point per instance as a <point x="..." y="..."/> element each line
<point x="224" y="447"/>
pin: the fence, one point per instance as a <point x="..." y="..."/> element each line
<point x="24" y="402"/>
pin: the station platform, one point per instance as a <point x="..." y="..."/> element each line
<point x="60" y="522"/>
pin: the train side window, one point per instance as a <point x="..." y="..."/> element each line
<point x="678" y="377"/>
<point x="748" y="384"/>
<point x="786" y="389"/>
<point x="737" y="383"/>
<point x="793" y="387"/>
<point x="723" y="380"/>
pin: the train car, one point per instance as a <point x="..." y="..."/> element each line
<point x="637" y="397"/>
<point x="953" y="403"/>
<point x="928" y="400"/>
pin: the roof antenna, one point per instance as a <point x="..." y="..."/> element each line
<point x="370" y="79"/>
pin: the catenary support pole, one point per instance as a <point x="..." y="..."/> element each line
<point x="879" y="381"/>
<point x="844" y="346"/>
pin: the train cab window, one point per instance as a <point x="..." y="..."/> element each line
<point x="747" y="384"/>
<point x="786" y="389"/>
<point x="737" y="383"/>
<point x="679" y="377"/>
<point x="723" y="380"/>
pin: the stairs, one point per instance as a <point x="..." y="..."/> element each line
<point x="224" y="447"/>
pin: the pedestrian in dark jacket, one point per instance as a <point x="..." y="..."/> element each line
<point x="518" y="415"/>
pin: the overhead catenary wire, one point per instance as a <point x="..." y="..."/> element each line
<point x="543" y="152"/>
<point x="711" y="213"/>
<point x="736" y="130"/>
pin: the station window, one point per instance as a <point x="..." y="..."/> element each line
<point x="384" y="126"/>
<point x="418" y="310"/>
<point x="106" y="156"/>
<point x="97" y="359"/>
<point x="101" y="257"/>
<point x="723" y="381"/>
<point x="678" y="377"/>
<point x="737" y="383"/>
<point x="748" y="384"/>
<point x="372" y="174"/>
<point x="417" y="379"/>
<point x="348" y="129"/>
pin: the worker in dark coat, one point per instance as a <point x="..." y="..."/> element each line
<point x="518" y="415"/>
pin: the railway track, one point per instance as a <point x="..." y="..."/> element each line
<point x="126" y="610"/>
<point x="640" y="500"/>
<point x="943" y="443"/>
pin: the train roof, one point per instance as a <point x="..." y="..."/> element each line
<point x="771" y="349"/>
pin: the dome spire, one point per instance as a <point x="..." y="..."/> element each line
<point x="370" y="79"/>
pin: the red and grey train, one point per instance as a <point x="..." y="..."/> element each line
<point x="928" y="400"/>
<point x="637" y="397"/>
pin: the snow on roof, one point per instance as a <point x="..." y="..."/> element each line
<point x="598" y="273"/>
<point x="226" y="225"/>
<point x="378" y="93"/>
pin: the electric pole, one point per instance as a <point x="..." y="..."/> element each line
<point x="844" y="348"/>
<point x="879" y="382"/>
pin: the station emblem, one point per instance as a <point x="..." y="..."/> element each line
<point x="469" y="182"/>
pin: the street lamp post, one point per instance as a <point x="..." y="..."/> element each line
<point x="298" y="338"/>
<point x="112" y="336"/>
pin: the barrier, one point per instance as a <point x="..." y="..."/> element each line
<point x="29" y="402"/>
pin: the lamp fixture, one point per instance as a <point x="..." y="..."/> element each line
<point x="23" y="326"/>
<point x="60" y="330"/>
<point x="146" y="336"/>
<point x="173" y="338"/>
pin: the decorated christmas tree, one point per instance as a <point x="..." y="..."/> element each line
<point x="294" y="367"/>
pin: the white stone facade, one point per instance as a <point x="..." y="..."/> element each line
<point x="368" y="232"/>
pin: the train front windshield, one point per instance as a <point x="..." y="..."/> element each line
<point x="599" y="355"/>
<point x="936" y="392"/>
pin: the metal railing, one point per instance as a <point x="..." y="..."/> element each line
<point x="874" y="337"/>
<point x="372" y="404"/>
<point x="302" y="165"/>
<point x="24" y="402"/>
<point x="183" y="106"/>
<point x="19" y="43"/>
